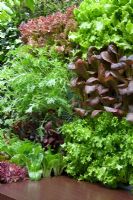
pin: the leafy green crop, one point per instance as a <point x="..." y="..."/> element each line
<point x="104" y="21"/>
<point x="11" y="8"/>
<point x="52" y="163"/>
<point x="9" y="39"/>
<point x="100" y="150"/>
<point x="25" y="153"/>
<point x="33" y="80"/>
<point x="12" y="13"/>
<point x="46" y="7"/>
<point x="98" y="82"/>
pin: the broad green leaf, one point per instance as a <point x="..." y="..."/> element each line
<point x="30" y="4"/>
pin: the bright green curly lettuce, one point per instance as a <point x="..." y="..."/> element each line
<point x="104" y="21"/>
<point x="99" y="150"/>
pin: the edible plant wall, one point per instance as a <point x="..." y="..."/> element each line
<point x="66" y="90"/>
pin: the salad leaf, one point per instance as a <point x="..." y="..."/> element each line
<point x="99" y="150"/>
<point x="104" y="82"/>
<point x="104" y="21"/>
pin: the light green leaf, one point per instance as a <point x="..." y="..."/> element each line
<point x="30" y="4"/>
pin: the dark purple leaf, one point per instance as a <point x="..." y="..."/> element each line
<point x="118" y="76"/>
<point x="112" y="49"/>
<point x="102" y="90"/>
<point x="108" y="100"/>
<point x="123" y="91"/>
<point x="107" y="57"/>
<point x="121" y="86"/>
<point x="109" y="79"/>
<point x="118" y="66"/>
<point x="91" y="50"/>
<point x="81" y="112"/>
<point x="95" y="113"/>
<point x="81" y="68"/>
<point x="131" y="108"/>
<point x="94" y="62"/>
<point x="92" y="80"/>
<point x="130" y="60"/>
<point x="109" y="85"/>
<point x="123" y="59"/>
<point x="114" y="110"/>
<point x="117" y="105"/>
<point x="48" y="126"/>
<point x="130" y="88"/>
<point x="50" y="140"/>
<point x="90" y="89"/>
<point x="101" y="72"/>
<point x="93" y="101"/>
<point x="76" y="83"/>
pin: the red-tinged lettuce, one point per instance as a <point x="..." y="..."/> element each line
<point x="11" y="173"/>
<point x="50" y="29"/>
<point x="105" y="82"/>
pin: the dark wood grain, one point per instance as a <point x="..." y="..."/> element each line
<point x="5" y="197"/>
<point x="60" y="188"/>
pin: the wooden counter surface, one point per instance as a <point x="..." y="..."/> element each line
<point x="60" y="188"/>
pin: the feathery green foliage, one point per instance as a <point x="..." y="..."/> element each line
<point x="33" y="80"/>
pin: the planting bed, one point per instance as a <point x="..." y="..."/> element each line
<point x="60" y="188"/>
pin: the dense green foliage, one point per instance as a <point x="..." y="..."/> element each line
<point x="12" y="9"/>
<point x="46" y="7"/>
<point x="33" y="80"/>
<point x="32" y="8"/>
<point x="99" y="150"/>
<point x="31" y="156"/>
<point x="12" y="13"/>
<point x="104" y="21"/>
<point x="9" y="39"/>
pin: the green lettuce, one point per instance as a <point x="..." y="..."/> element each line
<point x="99" y="150"/>
<point x="104" y="21"/>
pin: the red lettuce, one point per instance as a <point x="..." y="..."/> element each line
<point x="11" y="173"/>
<point x="50" y="29"/>
<point x="104" y="82"/>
